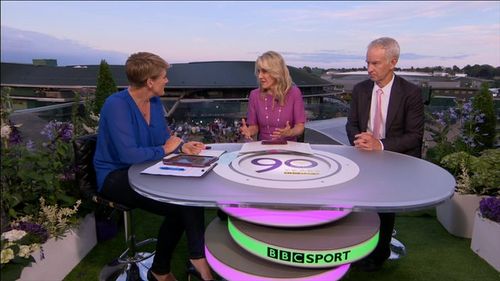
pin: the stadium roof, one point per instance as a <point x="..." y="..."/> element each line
<point x="217" y="74"/>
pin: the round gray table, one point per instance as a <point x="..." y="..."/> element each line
<point x="387" y="182"/>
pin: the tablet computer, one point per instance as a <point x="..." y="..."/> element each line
<point x="274" y="141"/>
<point x="190" y="160"/>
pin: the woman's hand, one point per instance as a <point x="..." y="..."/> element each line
<point x="282" y="133"/>
<point x="171" y="144"/>
<point x="192" y="147"/>
<point x="245" y="130"/>
<point x="288" y="131"/>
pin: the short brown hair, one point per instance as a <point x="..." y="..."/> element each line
<point x="143" y="65"/>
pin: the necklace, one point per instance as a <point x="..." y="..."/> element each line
<point x="267" y="114"/>
<point x="142" y="104"/>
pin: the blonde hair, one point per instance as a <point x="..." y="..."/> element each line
<point x="274" y="64"/>
<point x="142" y="66"/>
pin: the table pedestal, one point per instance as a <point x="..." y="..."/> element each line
<point x="240" y="250"/>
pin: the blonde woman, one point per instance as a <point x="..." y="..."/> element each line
<point x="275" y="109"/>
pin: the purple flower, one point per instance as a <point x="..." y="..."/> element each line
<point x="58" y="130"/>
<point x="37" y="230"/>
<point x="15" y="135"/>
<point x="30" y="145"/>
<point x="490" y="208"/>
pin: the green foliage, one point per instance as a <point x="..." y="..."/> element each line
<point x="105" y="86"/>
<point x="29" y="173"/>
<point x="82" y="116"/>
<point x="15" y="268"/>
<point x="30" y="170"/>
<point x="459" y="140"/>
<point x="485" y="71"/>
<point x="483" y="102"/>
<point x="475" y="175"/>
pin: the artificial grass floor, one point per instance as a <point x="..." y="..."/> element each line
<point x="432" y="253"/>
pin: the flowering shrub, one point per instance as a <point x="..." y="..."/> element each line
<point x="461" y="142"/>
<point x="37" y="178"/>
<point x="27" y="234"/>
<point x="490" y="208"/>
<point x="31" y="170"/>
<point x="453" y="130"/>
<point x="475" y="175"/>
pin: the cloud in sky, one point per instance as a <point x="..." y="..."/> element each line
<point x="317" y="33"/>
<point x="23" y="46"/>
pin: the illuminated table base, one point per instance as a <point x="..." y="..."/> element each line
<point x="285" y="218"/>
<point x="232" y="262"/>
<point x="242" y="250"/>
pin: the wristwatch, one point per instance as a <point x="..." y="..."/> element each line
<point x="178" y="149"/>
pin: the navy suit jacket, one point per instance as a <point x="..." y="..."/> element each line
<point x="404" y="124"/>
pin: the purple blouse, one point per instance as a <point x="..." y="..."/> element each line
<point x="262" y="113"/>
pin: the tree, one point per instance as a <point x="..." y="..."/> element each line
<point x="483" y="102"/>
<point x="105" y="86"/>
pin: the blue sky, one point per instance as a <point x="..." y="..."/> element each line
<point x="317" y="34"/>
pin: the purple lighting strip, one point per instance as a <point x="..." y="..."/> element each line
<point x="229" y="273"/>
<point x="285" y="218"/>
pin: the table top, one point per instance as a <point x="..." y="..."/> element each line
<point x="383" y="181"/>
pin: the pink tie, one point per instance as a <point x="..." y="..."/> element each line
<point x="377" y="122"/>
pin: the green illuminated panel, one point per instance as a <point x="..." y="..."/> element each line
<point x="300" y="258"/>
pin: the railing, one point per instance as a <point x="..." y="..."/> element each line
<point x="192" y="112"/>
<point x="195" y="112"/>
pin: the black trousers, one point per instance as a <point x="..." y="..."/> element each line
<point x="177" y="219"/>
<point x="383" y="249"/>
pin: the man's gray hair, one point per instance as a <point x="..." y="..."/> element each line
<point x="390" y="45"/>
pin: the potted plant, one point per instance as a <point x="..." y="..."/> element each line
<point x="486" y="231"/>
<point x="24" y="241"/>
<point x="460" y="141"/>
<point x="29" y="171"/>
<point x="477" y="177"/>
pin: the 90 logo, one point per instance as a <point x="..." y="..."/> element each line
<point x="276" y="163"/>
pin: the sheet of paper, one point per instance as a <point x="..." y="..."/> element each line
<point x="291" y="146"/>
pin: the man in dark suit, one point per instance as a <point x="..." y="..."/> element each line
<point x="386" y="113"/>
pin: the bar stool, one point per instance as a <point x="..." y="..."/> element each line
<point x="131" y="265"/>
<point x="398" y="249"/>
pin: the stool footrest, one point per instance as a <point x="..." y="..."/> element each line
<point x="137" y="257"/>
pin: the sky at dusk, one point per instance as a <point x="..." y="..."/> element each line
<point x="316" y="34"/>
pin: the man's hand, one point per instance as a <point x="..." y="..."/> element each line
<point x="367" y="141"/>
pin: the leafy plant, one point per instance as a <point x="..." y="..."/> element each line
<point x="460" y="140"/>
<point x="460" y="128"/>
<point x="27" y="234"/>
<point x="475" y="175"/>
<point x="30" y="171"/>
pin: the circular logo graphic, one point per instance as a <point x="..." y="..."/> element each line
<point x="287" y="170"/>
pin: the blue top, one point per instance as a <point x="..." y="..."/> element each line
<point x="124" y="137"/>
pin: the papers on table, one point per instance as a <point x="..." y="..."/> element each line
<point x="291" y="146"/>
<point x="182" y="171"/>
